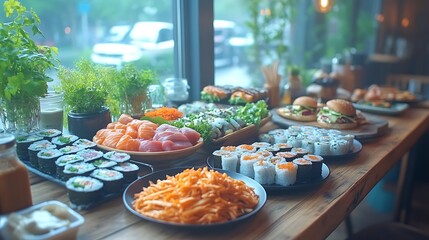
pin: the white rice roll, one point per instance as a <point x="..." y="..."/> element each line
<point x="308" y="144"/>
<point x="295" y="142"/>
<point x="246" y="163"/>
<point x="280" y="138"/>
<point x="266" y="154"/>
<point x="339" y="147"/>
<point x="349" y="138"/>
<point x="264" y="172"/>
<point x="286" y="173"/>
<point x="229" y="162"/>
<point x="246" y="148"/>
<point x="322" y="148"/>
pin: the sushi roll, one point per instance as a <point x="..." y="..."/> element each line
<point x="103" y="163"/>
<point x="77" y="169"/>
<point x="265" y="137"/>
<point x="322" y="148"/>
<point x="64" y="140"/>
<point x="303" y="174"/>
<point x="273" y="149"/>
<point x="84" y="143"/>
<point x="129" y="170"/>
<point x="35" y="148"/>
<point x="229" y="162"/>
<point x="64" y="160"/>
<point x="300" y="152"/>
<point x="246" y="163"/>
<point x="339" y="147"/>
<point x="46" y="160"/>
<point x="228" y="148"/>
<point x="260" y="145"/>
<point x="295" y="142"/>
<point x="48" y="134"/>
<point x="70" y="149"/>
<point x="288" y="156"/>
<point x="246" y="148"/>
<point x="286" y="173"/>
<point x="113" y="181"/>
<point x="349" y="138"/>
<point x="308" y="145"/>
<point x="316" y="165"/>
<point x="22" y="144"/>
<point x="275" y="160"/>
<point x="264" y="172"/>
<point x="90" y="154"/>
<point x="283" y="147"/>
<point x="84" y="191"/>
<point x="117" y="156"/>
<point x="280" y="138"/>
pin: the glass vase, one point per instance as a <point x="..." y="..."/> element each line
<point x="20" y="115"/>
<point x="136" y="104"/>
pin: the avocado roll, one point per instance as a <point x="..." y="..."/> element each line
<point x="22" y="144"/>
<point x="84" y="191"/>
<point x="77" y="169"/>
<point x="84" y="143"/>
<point x="70" y="149"/>
<point x="64" y="160"/>
<point x="113" y="180"/>
<point x="48" y="134"/>
<point x="90" y="154"/>
<point x="64" y="140"/>
<point x="103" y="163"/>
<point x="35" y="148"/>
<point x="46" y="160"/>
<point x="117" y="156"/>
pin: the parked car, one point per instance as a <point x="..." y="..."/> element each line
<point x="148" y="39"/>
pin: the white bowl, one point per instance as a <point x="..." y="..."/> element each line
<point x="68" y="231"/>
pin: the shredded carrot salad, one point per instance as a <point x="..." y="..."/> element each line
<point x="196" y="196"/>
<point x="166" y="113"/>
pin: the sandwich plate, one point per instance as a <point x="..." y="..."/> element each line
<point x="395" y="109"/>
<point x="139" y="184"/>
<point x="216" y="164"/>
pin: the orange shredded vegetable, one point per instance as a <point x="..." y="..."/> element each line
<point x="196" y="196"/>
<point x="166" y="113"/>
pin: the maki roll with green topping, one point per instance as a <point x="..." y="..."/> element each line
<point x="22" y="144"/>
<point x="35" y="148"/>
<point x="117" y="156"/>
<point x="70" y="149"/>
<point x="129" y="170"/>
<point x="48" y="134"/>
<point x="64" y="140"/>
<point x="113" y="180"/>
<point x="83" y="191"/>
<point x="46" y="159"/>
<point x="85" y="143"/>
<point x="103" y="163"/>
<point x="64" y="160"/>
<point x="77" y="169"/>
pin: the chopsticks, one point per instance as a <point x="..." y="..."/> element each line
<point x="272" y="78"/>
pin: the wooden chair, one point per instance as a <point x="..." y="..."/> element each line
<point x="413" y="83"/>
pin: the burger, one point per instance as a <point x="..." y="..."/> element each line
<point x="338" y="114"/>
<point x="302" y="109"/>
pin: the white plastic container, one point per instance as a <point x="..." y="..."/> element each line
<point x="68" y="231"/>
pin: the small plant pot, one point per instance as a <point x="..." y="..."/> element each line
<point x="86" y="125"/>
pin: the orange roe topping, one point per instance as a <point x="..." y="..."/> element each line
<point x="247" y="147"/>
<point x="287" y="165"/>
<point x="250" y="156"/>
<point x="166" y="113"/>
<point x="260" y="163"/>
<point x="313" y="157"/>
<point x="229" y="148"/>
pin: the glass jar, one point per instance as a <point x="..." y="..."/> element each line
<point x="15" y="193"/>
<point x="51" y="111"/>
<point x="176" y="90"/>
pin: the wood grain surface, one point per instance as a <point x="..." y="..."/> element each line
<point x="309" y="214"/>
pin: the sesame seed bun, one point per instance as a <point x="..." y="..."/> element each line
<point x="342" y="106"/>
<point x="306" y="101"/>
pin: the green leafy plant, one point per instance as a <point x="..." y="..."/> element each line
<point x="130" y="86"/>
<point x="85" y="87"/>
<point x="23" y="66"/>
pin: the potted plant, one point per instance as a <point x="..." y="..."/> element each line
<point x="131" y="89"/>
<point x="23" y="66"/>
<point x="85" y="89"/>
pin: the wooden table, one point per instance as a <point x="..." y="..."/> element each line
<point x="309" y="214"/>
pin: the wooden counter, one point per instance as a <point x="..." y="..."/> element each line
<point x="307" y="214"/>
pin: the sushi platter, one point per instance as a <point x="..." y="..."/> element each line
<point x="137" y="186"/>
<point x="214" y="163"/>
